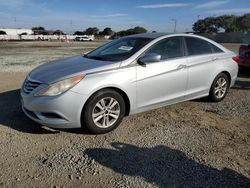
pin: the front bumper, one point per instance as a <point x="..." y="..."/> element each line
<point x="63" y="111"/>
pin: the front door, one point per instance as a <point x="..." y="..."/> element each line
<point x="160" y="82"/>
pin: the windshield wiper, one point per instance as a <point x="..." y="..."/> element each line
<point x="94" y="57"/>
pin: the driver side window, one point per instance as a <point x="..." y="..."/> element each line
<point x="168" y="48"/>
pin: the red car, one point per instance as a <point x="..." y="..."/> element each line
<point x="243" y="59"/>
<point x="244" y="56"/>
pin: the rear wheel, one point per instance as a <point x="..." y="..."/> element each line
<point x="104" y="111"/>
<point x="219" y="88"/>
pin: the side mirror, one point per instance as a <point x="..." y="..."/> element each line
<point x="149" y="58"/>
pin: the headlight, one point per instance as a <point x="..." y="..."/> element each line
<point x="60" y="87"/>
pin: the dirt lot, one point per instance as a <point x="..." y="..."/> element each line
<point x="24" y="56"/>
<point x="191" y="144"/>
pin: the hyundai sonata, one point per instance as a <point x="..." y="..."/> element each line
<point x="127" y="76"/>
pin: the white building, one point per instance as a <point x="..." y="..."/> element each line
<point x="17" y="31"/>
<point x="107" y="36"/>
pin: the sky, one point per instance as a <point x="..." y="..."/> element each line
<point x="154" y="15"/>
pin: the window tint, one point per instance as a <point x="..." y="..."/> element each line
<point x="197" y="46"/>
<point x="168" y="48"/>
<point x="216" y="49"/>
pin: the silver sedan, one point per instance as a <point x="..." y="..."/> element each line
<point x="127" y="76"/>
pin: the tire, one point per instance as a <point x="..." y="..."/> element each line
<point x="219" y="88"/>
<point x="99" y="116"/>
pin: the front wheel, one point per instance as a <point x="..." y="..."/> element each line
<point x="219" y="88"/>
<point x="104" y="111"/>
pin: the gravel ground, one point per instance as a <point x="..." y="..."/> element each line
<point x="190" y="144"/>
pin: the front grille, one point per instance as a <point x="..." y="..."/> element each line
<point x="30" y="85"/>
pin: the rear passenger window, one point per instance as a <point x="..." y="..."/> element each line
<point x="216" y="49"/>
<point x="196" y="46"/>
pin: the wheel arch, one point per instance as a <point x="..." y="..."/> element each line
<point x="120" y="91"/>
<point x="212" y="96"/>
<point x="226" y="73"/>
<point x="228" y="76"/>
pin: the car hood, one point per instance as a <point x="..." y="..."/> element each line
<point x="66" y="68"/>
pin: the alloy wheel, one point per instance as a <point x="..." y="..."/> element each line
<point x="106" y="112"/>
<point x="220" y="87"/>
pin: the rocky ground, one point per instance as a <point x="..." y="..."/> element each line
<point x="190" y="144"/>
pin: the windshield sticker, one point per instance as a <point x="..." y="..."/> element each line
<point x="126" y="48"/>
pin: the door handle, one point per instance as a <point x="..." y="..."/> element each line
<point x="181" y="66"/>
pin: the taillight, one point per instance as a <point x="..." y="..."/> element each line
<point x="236" y="59"/>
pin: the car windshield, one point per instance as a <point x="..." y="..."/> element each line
<point x="118" y="50"/>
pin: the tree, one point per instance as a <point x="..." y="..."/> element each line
<point x="207" y="25"/>
<point x="3" y="33"/>
<point x="138" y="30"/>
<point x="227" y="23"/>
<point x="58" y="32"/>
<point x="199" y="26"/>
<point x="79" y="33"/>
<point x="91" y="31"/>
<point x="106" y="31"/>
<point x="132" y="31"/>
<point x="39" y="28"/>
<point x="44" y="33"/>
<point x="244" y="22"/>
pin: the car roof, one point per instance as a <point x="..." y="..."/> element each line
<point x="162" y="35"/>
<point x="148" y="35"/>
<point x="154" y="36"/>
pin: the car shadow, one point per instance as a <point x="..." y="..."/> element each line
<point x="243" y="80"/>
<point x="11" y="115"/>
<point x="243" y="85"/>
<point x="164" y="167"/>
<point x="244" y="73"/>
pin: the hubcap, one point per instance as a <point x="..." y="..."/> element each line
<point x="106" y="112"/>
<point x="220" y="87"/>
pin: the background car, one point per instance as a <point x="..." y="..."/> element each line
<point x="243" y="59"/>
<point x="244" y="56"/>
<point x="84" y="38"/>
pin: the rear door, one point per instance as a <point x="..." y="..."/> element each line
<point x="202" y="65"/>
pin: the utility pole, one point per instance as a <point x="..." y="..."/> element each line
<point x="71" y="23"/>
<point x="175" y="24"/>
<point x="15" y="22"/>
